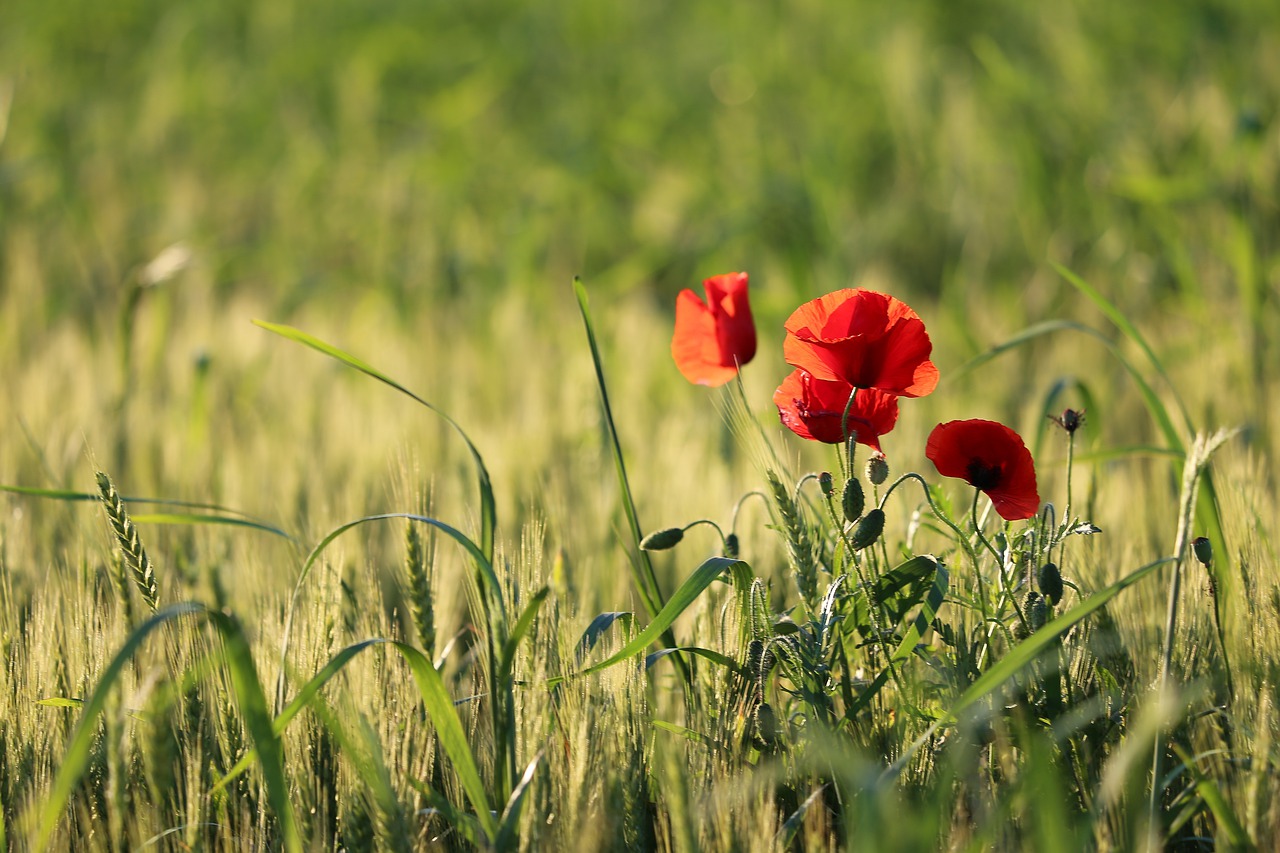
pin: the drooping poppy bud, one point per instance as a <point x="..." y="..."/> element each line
<point x="661" y="540"/>
<point x="869" y="529"/>
<point x="825" y="482"/>
<point x="731" y="546"/>
<point x="1203" y="549"/>
<point x="1050" y="581"/>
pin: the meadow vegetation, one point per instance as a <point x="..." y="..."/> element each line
<point x="1080" y="199"/>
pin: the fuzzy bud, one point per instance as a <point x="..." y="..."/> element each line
<point x="826" y="483"/>
<point x="731" y="546"/>
<point x="661" y="540"/>
<point x="1050" y="582"/>
<point x="1203" y="549"/>
<point x="768" y="732"/>
<point x="853" y="501"/>
<point x="877" y="469"/>
<point x="869" y="529"/>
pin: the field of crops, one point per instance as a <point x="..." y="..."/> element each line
<point x="369" y="482"/>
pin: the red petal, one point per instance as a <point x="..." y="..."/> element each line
<point x="735" y="329"/>
<point x="955" y="447"/>
<point x="814" y="409"/>
<point x="694" y="345"/>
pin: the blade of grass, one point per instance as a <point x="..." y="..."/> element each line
<point x="1207" y="512"/>
<point x="1023" y="654"/>
<point x="680" y="600"/>
<point x="191" y="518"/>
<point x="488" y="511"/>
<point x="250" y="697"/>
<point x="509" y="828"/>
<point x="484" y="569"/>
<point x="642" y="566"/>
<point x="1228" y="823"/>
<point x="238" y="517"/>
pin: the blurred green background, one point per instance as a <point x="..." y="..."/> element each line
<point x="419" y="181"/>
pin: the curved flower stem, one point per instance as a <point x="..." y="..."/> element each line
<point x="755" y="493"/>
<point x="850" y="440"/>
<point x="693" y="524"/>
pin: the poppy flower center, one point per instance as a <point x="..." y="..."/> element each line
<point x="984" y="476"/>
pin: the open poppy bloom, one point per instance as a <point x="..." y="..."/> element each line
<point x="992" y="458"/>
<point x="714" y="338"/>
<point x="864" y="338"/>
<point x="814" y="409"/>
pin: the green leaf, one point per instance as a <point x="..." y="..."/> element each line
<point x="642" y="567"/>
<point x="688" y="592"/>
<point x="1029" y="649"/>
<point x="522" y="626"/>
<point x="686" y="733"/>
<point x="895" y="592"/>
<point x="707" y="654"/>
<point x="598" y="626"/>
<point x="509" y="829"/>
<point x="1237" y="838"/>
<point x="202" y="518"/>
<point x="249" y="696"/>
<point x="59" y="702"/>
<point x="488" y="511"/>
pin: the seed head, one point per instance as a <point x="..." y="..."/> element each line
<point x="1070" y="420"/>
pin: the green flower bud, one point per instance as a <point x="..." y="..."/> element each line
<point x="1203" y="549"/>
<point x="661" y="540"/>
<point x="853" y="500"/>
<point x="1050" y="582"/>
<point x="1037" y="611"/>
<point x="768" y="731"/>
<point x="731" y="546"/>
<point x="869" y="529"/>
<point x="827" y="484"/>
<point x="877" y="469"/>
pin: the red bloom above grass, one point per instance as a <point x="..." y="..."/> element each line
<point x="814" y="409"/>
<point x="864" y="338"/>
<point x="992" y="458"/>
<point x="713" y="339"/>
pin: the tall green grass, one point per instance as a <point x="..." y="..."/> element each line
<point x="1080" y="200"/>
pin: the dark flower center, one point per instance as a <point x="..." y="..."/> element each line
<point x="984" y="476"/>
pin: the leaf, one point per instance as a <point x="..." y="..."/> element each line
<point x="642" y="567"/>
<point x="59" y="702"/>
<point x="688" y="592"/>
<point x="895" y="592"/>
<point x="707" y="654"/>
<point x="201" y="518"/>
<point x="686" y="733"/>
<point x="488" y="511"/>
<point x="598" y="626"/>
<point x="522" y="626"/>
<point x="509" y="828"/>
<point x="249" y="696"/>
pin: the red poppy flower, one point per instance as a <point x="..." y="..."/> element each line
<point x="990" y="457"/>
<point x="713" y="339"/>
<point x="814" y="409"/>
<point x="865" y="338"/>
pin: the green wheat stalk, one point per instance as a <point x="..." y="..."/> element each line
<point x="420" y="606"/>
<point x="135" y="556"/>
<point x="799" y="545"/>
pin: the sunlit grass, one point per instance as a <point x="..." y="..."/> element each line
<point x="417" y="185"/>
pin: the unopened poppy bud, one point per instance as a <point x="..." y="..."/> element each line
<point x="731" y="546"/>
<point x="1070" y="420"/>
<point x="877" y="469"/>
<point x="853" y="500"/>
<point x="1050" y="582"/>
<point x="661" y="540"/>
<point x="827" y="484"/>
<point x="1203" y="549"/>
<point x="869" y="529"/>
<point x="767" y="729"/>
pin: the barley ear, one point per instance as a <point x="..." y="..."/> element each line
<point x="135" y="556"/>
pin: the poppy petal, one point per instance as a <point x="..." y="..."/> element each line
<point x="815" y="409"/>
